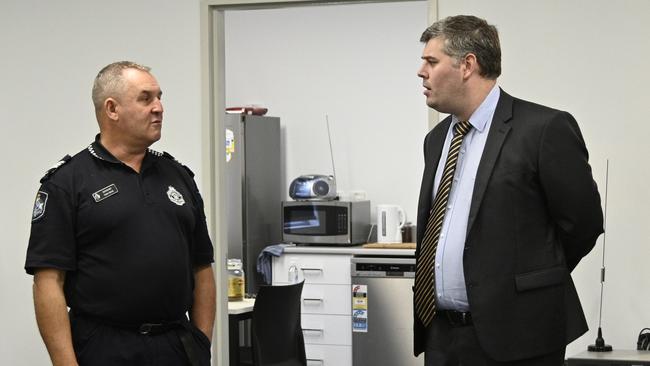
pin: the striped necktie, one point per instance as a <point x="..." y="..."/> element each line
<point x="425" y="299"/>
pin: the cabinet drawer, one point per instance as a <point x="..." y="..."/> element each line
<point x="327" y="329"/>
<point x="313" y="268"/>
<point x="324" y="355"/>
<point x="326" y="299"/>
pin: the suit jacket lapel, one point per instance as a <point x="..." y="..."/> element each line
<point x="497" y="135"/>
<point x="433" y="150"/>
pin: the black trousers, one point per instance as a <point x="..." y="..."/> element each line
<point x="99" y="344"/>
<point x="449" y="345"/>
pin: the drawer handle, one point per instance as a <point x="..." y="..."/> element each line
<point x="312" y="269"/>
<point x="311" y="299"/>
<point x="319" y="360"/>
<point x="312" y="330"/>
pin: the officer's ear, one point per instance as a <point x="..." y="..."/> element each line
<point x="110" y="107"/>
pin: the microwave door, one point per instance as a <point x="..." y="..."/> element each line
<point x="316" y="224"/>
<point x="305" y="220"/>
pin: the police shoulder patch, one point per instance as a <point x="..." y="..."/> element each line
<point x="56" y="166"/>
<point x="39" y="205"/>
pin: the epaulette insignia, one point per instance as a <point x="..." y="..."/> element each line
<point x="154" y="152"/>
<point x="56" y="166"/>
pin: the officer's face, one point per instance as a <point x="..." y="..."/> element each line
<point x="140" y="108"/>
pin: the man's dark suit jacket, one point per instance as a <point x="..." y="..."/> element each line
<point x="535" y="213"/>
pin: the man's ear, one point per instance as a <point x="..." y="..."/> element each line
<point x="110" y="107"/>
<point x="470" y="65"/>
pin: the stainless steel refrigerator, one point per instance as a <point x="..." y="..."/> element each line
<point x="253" y="189"/>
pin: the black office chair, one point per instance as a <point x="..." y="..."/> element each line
<point x="277" y="338"/>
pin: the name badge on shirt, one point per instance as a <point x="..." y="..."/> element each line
<point x="105" y="192"/>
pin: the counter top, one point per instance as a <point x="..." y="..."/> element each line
<point x="354" y="250"/>
<point x="240" y="306"/>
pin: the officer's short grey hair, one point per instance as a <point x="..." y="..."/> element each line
<point x="110" y="81"/>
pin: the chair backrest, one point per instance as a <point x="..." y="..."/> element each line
<point x="277" y="337"/>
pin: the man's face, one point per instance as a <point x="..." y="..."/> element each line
<point x="442" y="78"/>
<point x="140" y="109"/>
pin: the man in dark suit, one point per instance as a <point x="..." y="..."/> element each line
<point x="507" y="209"/>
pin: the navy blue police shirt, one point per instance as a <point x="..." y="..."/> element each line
<point x="127" y="241"/>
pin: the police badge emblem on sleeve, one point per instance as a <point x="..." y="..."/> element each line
<point x="39" y="205"/>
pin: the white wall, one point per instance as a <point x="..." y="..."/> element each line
<point x="355" y="63"/>
<point x="587" y="57"/>
<point x="51" y="51"/>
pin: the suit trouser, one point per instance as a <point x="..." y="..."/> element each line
<point x="99" y="344"/>
<point x="457" y="345"/>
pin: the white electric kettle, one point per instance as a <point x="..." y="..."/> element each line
<point x="390" y="220"/>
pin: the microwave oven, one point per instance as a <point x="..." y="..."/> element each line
<point x="325" y="222"/>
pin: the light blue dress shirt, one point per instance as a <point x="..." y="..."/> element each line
<point x="451" y="293"/>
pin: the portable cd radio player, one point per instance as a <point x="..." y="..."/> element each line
<point x="313" y="187"/>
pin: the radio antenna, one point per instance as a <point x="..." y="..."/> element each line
<point x="600" y="345"/>
<point x="329" y="138"/>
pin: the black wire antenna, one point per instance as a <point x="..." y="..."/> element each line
<point x="600" y="345"/>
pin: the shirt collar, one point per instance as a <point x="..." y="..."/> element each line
<point x="483" y="114"/>
<point x="98" y="151"/>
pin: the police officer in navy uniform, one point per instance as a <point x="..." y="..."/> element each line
<point x="119" y="237"/>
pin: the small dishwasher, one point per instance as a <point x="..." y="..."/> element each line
<point x="382" y="311"/>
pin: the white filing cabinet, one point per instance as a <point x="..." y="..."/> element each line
<point x="326" y="304"/>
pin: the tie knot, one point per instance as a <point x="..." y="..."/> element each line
<point x="462" y="128"/>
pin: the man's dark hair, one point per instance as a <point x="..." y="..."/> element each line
<point x="465" y="34"/>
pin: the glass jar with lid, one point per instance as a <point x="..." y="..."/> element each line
<point x="236" y="280"/>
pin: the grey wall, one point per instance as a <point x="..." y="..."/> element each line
<point x="51" y="51"/>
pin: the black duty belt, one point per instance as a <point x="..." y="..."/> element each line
<point x="456" y="318"/>
<point x="181" y="327"/>
<point x="157" y="328"/>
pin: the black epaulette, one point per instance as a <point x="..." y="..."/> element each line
<point x="169" y="156"/>
<point x="54" y="168"/>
